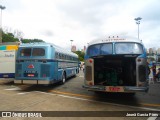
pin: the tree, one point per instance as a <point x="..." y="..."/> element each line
<point x="80" y="55"/>
<point x="31" y="40"/>
<point x="151" y="58"/>
<point x="16" y="36"/>
<point x="8" y="37"/>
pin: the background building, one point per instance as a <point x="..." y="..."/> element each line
<point x="158" y="51"/>
<point x="150" y="51"/>
<point x="73" y="48"/>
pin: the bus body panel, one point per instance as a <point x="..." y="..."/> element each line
<point x="114" y="69"/>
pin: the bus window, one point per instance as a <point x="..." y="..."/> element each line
<point x="25" y="52"/>
<point x="94" y="50"/>
<point x="128" y="48"/>
<point x="57" y="55"/>
<point x="38" y="52"/>
<point x="106" y="49"/>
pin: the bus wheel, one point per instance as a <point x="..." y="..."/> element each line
<point x="63" y="79"/>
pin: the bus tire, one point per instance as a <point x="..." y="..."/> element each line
<point x="63" y="79"/>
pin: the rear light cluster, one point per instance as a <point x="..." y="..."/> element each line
<point x="88" y="70"/>
<point x="44" y="75"/>
<point x="139" y="60"/>
<point x="90" y="61"/>
<point x="142" y="73"/>
<point x="88" y="73"/>
<point x="90" y="83"/>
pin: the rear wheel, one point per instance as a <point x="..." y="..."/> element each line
<point x="63" y="79"/>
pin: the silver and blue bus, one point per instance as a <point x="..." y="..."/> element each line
<point x="116" y="64"/>
<point x="43" y="63"/>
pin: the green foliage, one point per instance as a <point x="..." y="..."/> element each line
<point x="80" y="55"/>
<point x="9" y="37"/>
<point x="151" y="58"/>
<point x="31" y="40"/>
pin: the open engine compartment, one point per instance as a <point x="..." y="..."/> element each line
<point x="115" y="70"/>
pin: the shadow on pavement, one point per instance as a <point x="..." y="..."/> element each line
<point x="117" y="98"/>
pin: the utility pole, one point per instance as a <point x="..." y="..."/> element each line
<point x="2" y="8"/>
<point x="138" y="23"/>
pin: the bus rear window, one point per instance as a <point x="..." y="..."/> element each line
<point x="128" y="48"/>
<point x="25" y="52"/>
<point x="32" y="52"/>
<point x="100" y="49"/>
<point x="38" y="52"/>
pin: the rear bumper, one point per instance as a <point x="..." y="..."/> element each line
<point x="125" y="88"/>
<point x="33" y="81"/>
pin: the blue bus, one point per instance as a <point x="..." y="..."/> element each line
<point x="44" y="63"/>
<point x="116" y="64"/>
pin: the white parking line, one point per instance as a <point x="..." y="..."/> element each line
<point x="16" y="88"/>
<point x="81" y="76"/>
<point x="152" y="118"/>
<point x="22" y="93"/>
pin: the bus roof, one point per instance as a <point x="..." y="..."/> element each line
<point x="57" y="48"/>
<point x="116" y="38"/>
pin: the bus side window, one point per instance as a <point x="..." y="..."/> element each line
<point x="56" y="56"/>
<point x="62" y="56"/>
<point x="59" y="56"/>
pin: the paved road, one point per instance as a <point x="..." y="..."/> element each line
<point x="73" y="87"/>
<point x="72" y="97"/>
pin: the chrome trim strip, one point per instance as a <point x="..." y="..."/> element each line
<point x="33" y="81"/>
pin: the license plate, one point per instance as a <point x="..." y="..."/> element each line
<point x="30" y="75"/>
<point x="5" y="76"/>
<point x="114" y="89"/>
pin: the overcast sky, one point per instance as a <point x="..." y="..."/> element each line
<point x="59" y="21"/>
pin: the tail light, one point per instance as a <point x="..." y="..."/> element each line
<point x="90" y="61"/>
<point x="44" y="75"/>
<point x="90" y="83"/>
<point x="139" y="60"/>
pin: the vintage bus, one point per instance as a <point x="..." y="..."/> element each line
<point x="44" y="63"/>
<point x="7" y="60"/>
<point x="116" y="64"/>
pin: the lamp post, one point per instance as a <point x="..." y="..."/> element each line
<point x="71" y="44"/>
<point x="138" y="22"/>
<point x="2" y="8"/>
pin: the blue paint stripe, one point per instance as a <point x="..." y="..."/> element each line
<point x="2" y="47"/>
<point x="47" y="60"/>
<point x="7" y="75"/>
